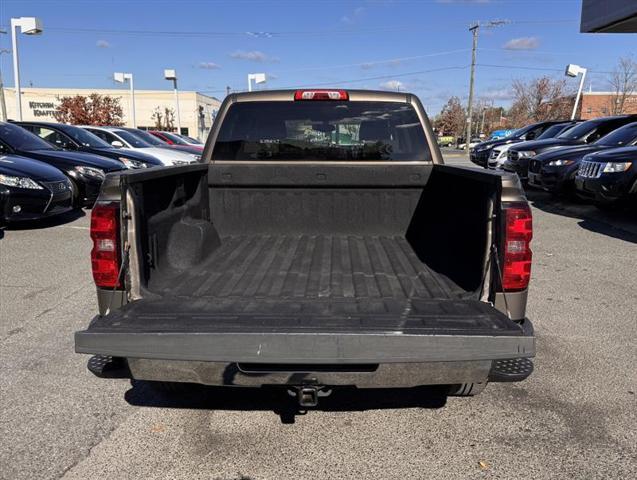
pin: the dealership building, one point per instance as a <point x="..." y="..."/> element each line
<point x="197" y="111"/>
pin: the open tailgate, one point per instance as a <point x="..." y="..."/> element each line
<point x="429" y="330"/>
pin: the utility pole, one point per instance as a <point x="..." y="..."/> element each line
<point x="227" y="90"/>
<point x="474" y="29"/>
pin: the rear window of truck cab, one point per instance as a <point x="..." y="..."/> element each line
<point x="321" y="130"/>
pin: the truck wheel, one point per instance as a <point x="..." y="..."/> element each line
<point x="466" y="389"/>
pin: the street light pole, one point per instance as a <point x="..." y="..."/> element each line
<point x="172" y="75"/>
<point x="16" y="72"/>
<point x="28" y="26"/>
<point x="257" y="77"/>
<point x="120" y="77"/>
<point x="573" y="70"/>
<point x="132" y="97"/>
<point x="3" y="103"/>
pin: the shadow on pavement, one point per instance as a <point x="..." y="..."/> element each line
<point x="277" y="400"/>
<point x="620" y="223"/>
<point x="49" y="222"/>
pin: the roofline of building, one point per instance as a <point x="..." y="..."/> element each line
<point x="114" y="90"/>
<point x="634" y="94"/>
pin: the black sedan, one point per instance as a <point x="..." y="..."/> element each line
<point x="555" y="170"/>
<point x="70" y="137"/>
<point x="86" y="171"/>
<point x="519" y="155"/>
<point x="30" y="190"/>
<point x="609" y="177"/>
<point x="480" y="153"/>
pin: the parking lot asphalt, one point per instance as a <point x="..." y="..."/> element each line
<point x="574" y="418"/>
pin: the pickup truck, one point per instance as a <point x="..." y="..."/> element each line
<point x="289" y="259"/>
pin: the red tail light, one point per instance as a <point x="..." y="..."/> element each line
<point x="105" y="256"/>
<point x="517" y="250"/>
<point x="321" y="95"/>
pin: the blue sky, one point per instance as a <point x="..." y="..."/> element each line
<point x="421" y="46"/>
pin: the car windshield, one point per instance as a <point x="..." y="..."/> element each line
<point x="332" y="130"/>
<point x="174" y="138"/>
<point x="133" y="140"/>
<point x="580" y="131"/>
<point x="20" y="139"/>
<point x="551" y="132"/>
<point x="620" y="137"/>
<point x="85" y="137"/>
<point x="194" y="141"/>
<point x="149" y="138"/>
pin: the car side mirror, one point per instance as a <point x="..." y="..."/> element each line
<point x="117" y="144"/>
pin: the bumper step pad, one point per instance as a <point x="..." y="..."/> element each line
<point x="511" y="370"/>
<point x="106" y="366"/>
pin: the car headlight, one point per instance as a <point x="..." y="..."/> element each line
<point x="560" y="163"/>
<point x="616" y="167"/>
<point x="19" y="182"/>
<point x="91" y="172"/>
<point x="130" y="163"/>
<point x="526" y="153"/>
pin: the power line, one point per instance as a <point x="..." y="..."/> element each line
<point x="524" y="67"/>
<point x="374" y="63"/>
<point x="358" y="80"/>
<point x="274" y="34"/>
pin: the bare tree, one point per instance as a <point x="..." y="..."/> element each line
<point x="540" y="99"/>
<point x="623" y="82"/>
<point x="164" y="119"/>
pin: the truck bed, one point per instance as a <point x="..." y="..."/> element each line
<point x="313" y="269"/>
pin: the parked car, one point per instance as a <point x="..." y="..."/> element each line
<point x="499" y="153"/>
<point x="445" y="140"/>
<point x="481" y="152"/>
<point x="474" y="142"/>
<point x="609" y="177"/>
<point x="85" y="170"/>
<point x="191" y="140"/>
<point x="314" y="263"/>
<point x="70" y="137"/>
<point x="499" y="134"/>
<point x="175" y="141"/>
<point x="195" y="152"/>
<point x="31" y="190"/>
<point x="555" y="170"/>
<point x="122" y="138"/>
<point x="590" y="131"/>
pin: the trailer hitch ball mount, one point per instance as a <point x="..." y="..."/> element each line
<point x="308" y="395"/>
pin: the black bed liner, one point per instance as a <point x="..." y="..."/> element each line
<point x="314" y="267"/>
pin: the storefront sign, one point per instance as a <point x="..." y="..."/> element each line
<point x="42" y="109"/>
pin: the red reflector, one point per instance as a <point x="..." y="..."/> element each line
<point x="321" y="95"/>
<point x="517" y="249"/>
<point x="105" y="256"/>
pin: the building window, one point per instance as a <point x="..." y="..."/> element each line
<point x="589" y="110"/>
